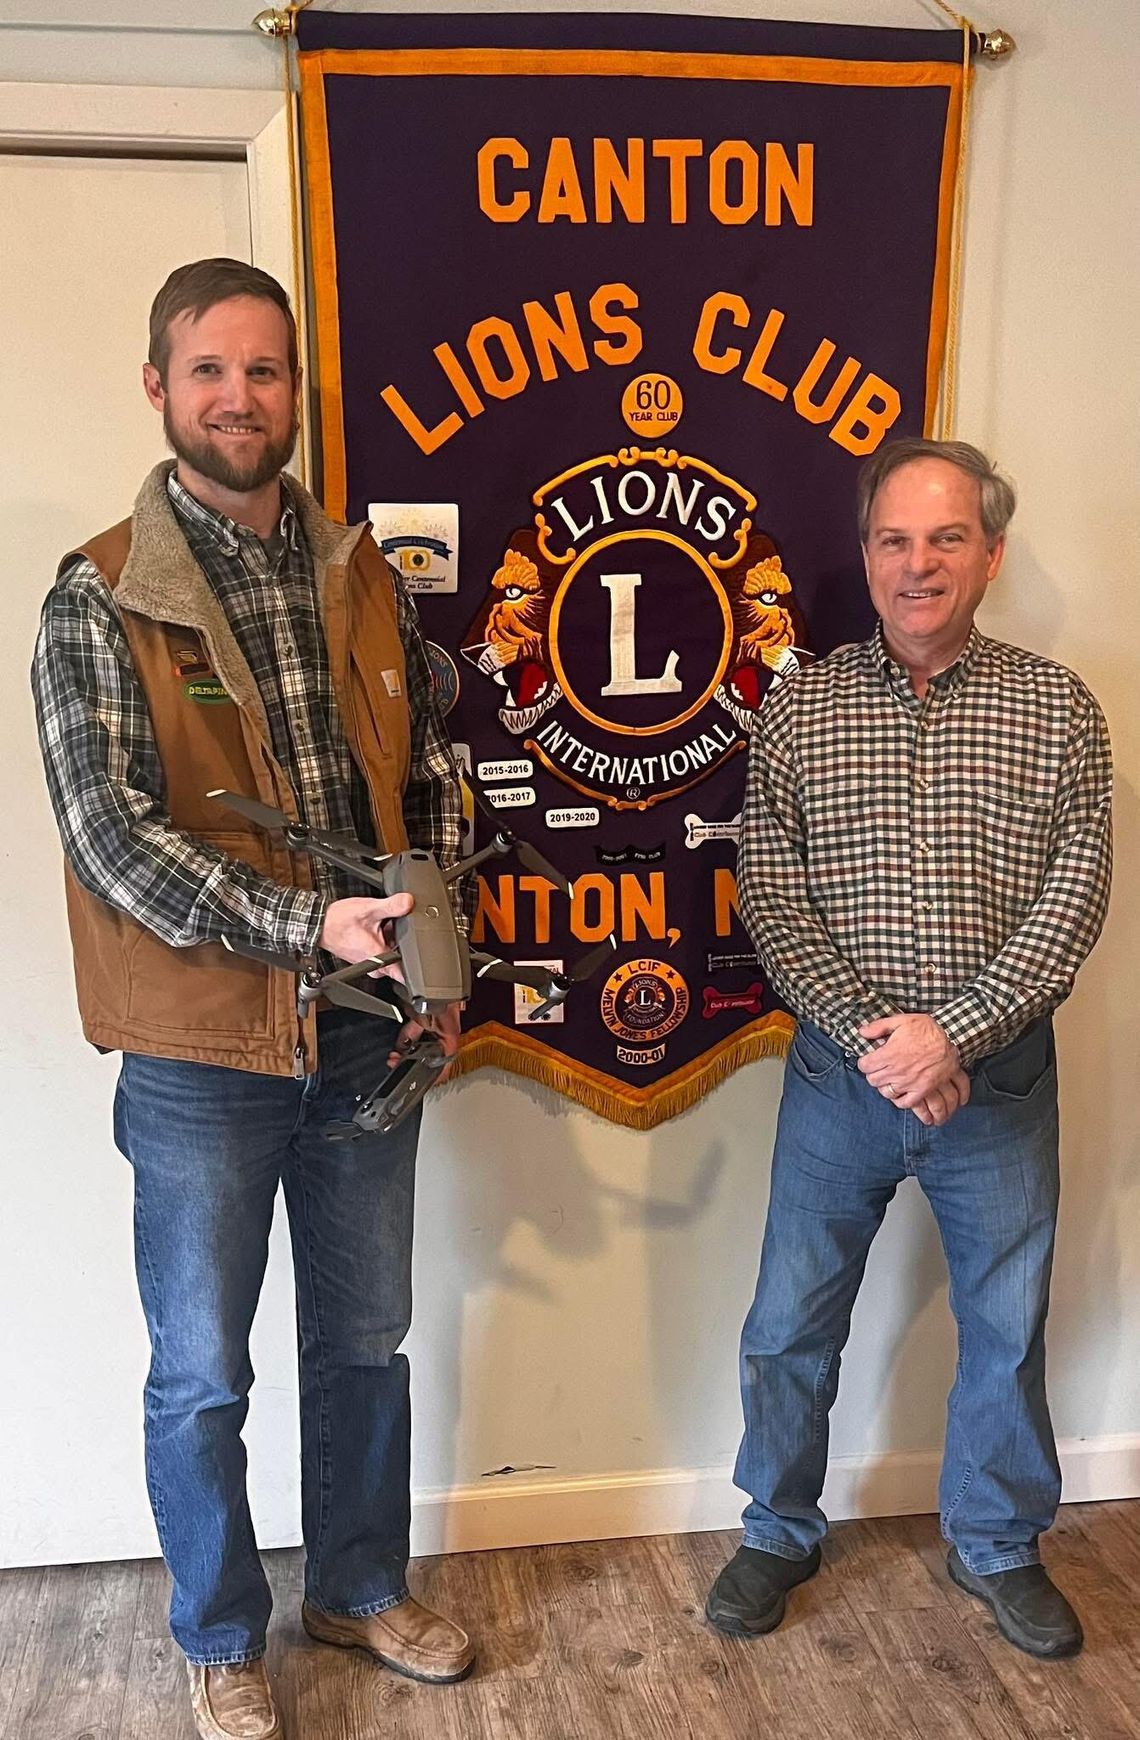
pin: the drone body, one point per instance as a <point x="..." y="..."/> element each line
<point x="433" y="956"/>
<point x="435" y="964"/>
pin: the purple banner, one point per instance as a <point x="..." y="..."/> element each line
<point x="608" y="310"/>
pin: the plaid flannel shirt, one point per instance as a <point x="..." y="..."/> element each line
<point x="948" y="854"/>
<point x="106" y="781"/>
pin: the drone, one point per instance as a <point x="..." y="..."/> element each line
<point x="436" y="964"/>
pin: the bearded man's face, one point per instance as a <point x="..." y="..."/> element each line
<point x="229" y="397"/>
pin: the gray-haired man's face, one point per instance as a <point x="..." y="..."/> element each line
<point x="928" y="564"/>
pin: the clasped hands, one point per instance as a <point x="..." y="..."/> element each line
<point x="916" y="1066"/>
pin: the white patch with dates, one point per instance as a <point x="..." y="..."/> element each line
<point x="490" y="771"/>
<point x="510" y="797"/>
<point x="583" y="818"/>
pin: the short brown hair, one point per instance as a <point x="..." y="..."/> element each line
<point x="998" y="497"/>
<point x="201" y="285"/>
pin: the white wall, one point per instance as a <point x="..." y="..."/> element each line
<point x="580" y="1287"/>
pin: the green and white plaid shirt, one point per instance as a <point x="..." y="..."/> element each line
<point x="949" y="854"/>
<point x="106" y="780"/>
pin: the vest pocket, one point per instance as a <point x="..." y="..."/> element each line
<point x="199" y="990"/>
<point x="204" y="989"/>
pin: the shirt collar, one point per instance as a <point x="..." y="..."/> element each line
<point x="218" y="527"/>
<point x="947" y="681"/>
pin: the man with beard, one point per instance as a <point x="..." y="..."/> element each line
<point x="230" y="635"/>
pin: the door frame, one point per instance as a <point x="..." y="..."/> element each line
<point x="183" y="121"/>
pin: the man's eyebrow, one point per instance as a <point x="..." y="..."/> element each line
<point x="950" y="526"/>
<point x="213" y="356"/>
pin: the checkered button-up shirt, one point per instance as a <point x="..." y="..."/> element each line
<point x="106" y="780"/>
<point x="948" y="854"/>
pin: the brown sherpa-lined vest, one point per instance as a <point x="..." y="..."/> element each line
<point x="136" y="993"/>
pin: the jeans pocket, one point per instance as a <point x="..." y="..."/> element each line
<point x="1017" y="1071"/>
<point x="812" y="1056"/>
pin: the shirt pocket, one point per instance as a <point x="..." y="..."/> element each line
<point x="1010" y="838"/>
<point x="844" y="819"/>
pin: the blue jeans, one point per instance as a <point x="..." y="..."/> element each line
<point x="990" y="1175"/>
<point x="208" y="1147"/>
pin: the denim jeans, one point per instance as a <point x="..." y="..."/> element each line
<point x="208" y="1147"/>
<point x="990" y="1175"/>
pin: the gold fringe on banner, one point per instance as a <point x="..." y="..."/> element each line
<point x="636" y="1108"/>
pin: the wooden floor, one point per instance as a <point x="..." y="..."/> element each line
<point x="607" y="1640"/>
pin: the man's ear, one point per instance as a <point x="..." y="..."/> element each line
<point x="153" y="387"/>
<point x="996" y="556"/>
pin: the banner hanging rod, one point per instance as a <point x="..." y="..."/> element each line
<point x="279" y="22"/>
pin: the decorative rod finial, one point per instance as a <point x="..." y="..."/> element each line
<point x="996" y="44"/>
<point x="274" y="24"/>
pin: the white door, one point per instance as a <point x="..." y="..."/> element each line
<point x="87" y="242"/>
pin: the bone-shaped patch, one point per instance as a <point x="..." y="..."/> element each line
<point x="697" y="832"/>
<point x="716" y="1002"/>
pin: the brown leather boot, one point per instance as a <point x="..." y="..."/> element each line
<point x="407" y="1638"/>
<point x="233" y="1703"/>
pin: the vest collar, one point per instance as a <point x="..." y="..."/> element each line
<point x="161" y="579"/>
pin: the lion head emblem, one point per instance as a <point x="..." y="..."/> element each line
<point x="507" y="639"/>
<point x="769" y="643"/>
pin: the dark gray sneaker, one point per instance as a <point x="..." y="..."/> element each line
<point x="1028" y="1606"/>
<point x="751" y="1593"/>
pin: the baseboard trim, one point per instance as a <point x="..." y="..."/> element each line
<point x="517" y="1510"/>
<point x="514" y="1511"/>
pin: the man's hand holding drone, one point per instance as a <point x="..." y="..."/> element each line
<point x="360" y="929"/>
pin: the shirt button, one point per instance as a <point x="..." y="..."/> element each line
<point x="923" y="847"/>
<point x="928" y="906"/>
<point x="926" y="725"/>
<point x="922" y="782"/>
<point x="929" y="967"/>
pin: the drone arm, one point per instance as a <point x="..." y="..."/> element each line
<point x="286" y="963"/>
<point x="497" y="849"/>
<point x="524" y="973"/>
<point x="355" y="970"/>
<point x="347" y="861"/>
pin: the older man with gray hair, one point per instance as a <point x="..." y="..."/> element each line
<point x="924" y="865"/>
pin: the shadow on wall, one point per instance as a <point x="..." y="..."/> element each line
<point x="601" y="1273"/>
<point x="1096" y="1028"/>
<point x="1100" y="1163"/>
